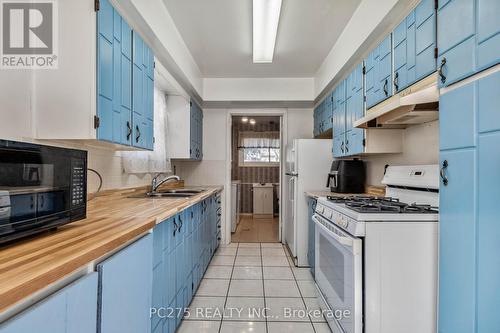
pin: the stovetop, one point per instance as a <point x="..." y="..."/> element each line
<point x="386" y="205"/>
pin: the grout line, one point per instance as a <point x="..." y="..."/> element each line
<point x="263" y="287"/>
<point x="302" y="297"/>
<point x="229" y="286"/>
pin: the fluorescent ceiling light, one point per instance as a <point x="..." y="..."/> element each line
<point x="266" y="16"/>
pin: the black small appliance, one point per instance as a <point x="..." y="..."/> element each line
<point x="41" y="188"/>
<point x="347" y="176"/>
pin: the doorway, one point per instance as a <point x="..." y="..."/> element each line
<point x="256" y="153"/>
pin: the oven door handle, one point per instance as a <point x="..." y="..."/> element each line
<point x="346" y="241"/>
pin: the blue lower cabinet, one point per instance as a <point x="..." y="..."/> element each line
<point x="158" y="294"/>
<point x="125" y="285"/>
<point x="170" y="263"/>
<point x="488" y="233"/>
<point x="457" y="244"/>
<point x="469" y="230"/>
<point x="70" y="310"/>
<point x="179" y="306"/>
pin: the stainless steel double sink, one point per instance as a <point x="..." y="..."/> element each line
<point x="172" y="193"/>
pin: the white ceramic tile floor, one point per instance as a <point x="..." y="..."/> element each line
<point x="277" y="273"/>
<point x="218" y="272"/>
<point x="223" y="260"/>
<point x="247" y="273"/>
<point x="256" y="292"/>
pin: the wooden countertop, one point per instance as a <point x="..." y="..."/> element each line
<point x="370" y="190"/>
<point x="112" y="220"/>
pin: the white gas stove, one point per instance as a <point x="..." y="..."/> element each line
<point x="377" y="257"/>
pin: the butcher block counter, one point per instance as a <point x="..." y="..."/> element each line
<point x="113" y="219"/>
<point x="376" y="191"/>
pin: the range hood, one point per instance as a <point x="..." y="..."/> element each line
<point x="416" y="104"/>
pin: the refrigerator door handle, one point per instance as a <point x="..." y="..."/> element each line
<point x="291" y="189"/>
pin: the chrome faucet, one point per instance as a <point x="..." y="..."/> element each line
<point x="155" y="183"/>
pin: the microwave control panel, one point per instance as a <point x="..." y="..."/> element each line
<point x="78" y="192"/>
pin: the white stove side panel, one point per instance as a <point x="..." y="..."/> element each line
<point x="401" y="275"/>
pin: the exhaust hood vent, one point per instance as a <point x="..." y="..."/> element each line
<point x="416" y="104"/>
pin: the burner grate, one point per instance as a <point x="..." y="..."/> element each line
<point x="365" y="204"/>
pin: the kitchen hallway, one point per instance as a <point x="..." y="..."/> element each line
<point x="250" y="287"/>
<point x="255" y="230"/>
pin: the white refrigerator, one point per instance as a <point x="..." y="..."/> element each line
<point x="308" y="163"/>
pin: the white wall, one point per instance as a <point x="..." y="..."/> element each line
<point x="420" y="146"/>
<point x="258" y="89"/>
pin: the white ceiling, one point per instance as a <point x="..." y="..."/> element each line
<point x="218" y="34"/>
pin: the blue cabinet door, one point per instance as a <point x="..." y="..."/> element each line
<point x="126" y="288"/>
<point x="70" y="310"/>
<point x="488" y="230"/>
<point x="371" y="68"/>
<point x="158" y="294"/>
<point x="385" y="69"/>
<point x="457" y="243"/>
<point x="401" y="54"/>
<point x="379" y="73"/>
<point x="414" y="42"/>
<point x="488" y="33"/>
<point x="193" y="131"/>
<point x="457" y="262"/>
<point x="142" y="95"/>
<point x="113" y="76"/>
<point x="425" y="39"/>
<point x="456" y="42"/>
<point x="338" y="145"/>
<point x="105" y="69"/>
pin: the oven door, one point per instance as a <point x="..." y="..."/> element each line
<point x="338" y="257"/>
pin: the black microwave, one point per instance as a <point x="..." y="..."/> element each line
<point x="41" y="188"/>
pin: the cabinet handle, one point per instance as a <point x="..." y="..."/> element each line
<point x="129" y="130"/>
<point x="342" y="147"/>
<point x="347" y="146"/>
<point x="181" y="223"/>
<point x="440" y="70"/>
<point x="138" y="135"/>
<point x="386" y="92"/>
<point x="443" y="173"/>
<point x="396" y="81"/>
<point x="175" y="227"/>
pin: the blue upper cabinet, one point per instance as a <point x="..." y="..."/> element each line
<point x="456" y="40"/>
<point x="323" y="121"/>
<point x="196" y="129"/>
<point x="126" y="288"/>
<point x="105" y="70"/>
<point x="468" y="37"/>
<point x="125" y="82"/>
<point x="354" y="141"/>
<point x="488" y="33"/>
<point x="414" y="44"/>
<point x="379" y="73"/>
<point x="71" y="310"/>
<point x="142" y="97"/>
